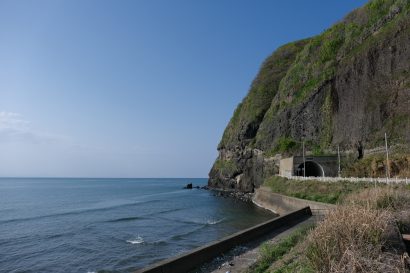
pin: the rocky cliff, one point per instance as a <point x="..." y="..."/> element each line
<point x="346" y="86"/>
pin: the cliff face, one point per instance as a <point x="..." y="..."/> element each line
<point x="346" y="86"/>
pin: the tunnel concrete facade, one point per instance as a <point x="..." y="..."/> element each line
<point x="315" y="166"/>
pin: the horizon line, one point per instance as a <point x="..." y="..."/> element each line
<point x="79" y="177"/>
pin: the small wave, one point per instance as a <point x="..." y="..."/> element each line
<point x="202" y="223"/>
<point x="138" y="240"/>
<point x="58" y="235"/>
<point x="163" y="212"/>
<point x="213" y="221"/>
<point x="125" y="219"/>
<point x="185" y="234"/>
<point x="160" y="242"/>
<point x="140" y="201"/>
<point x="80" y="211"/>
<point x="164" y="193"/>
<point x="169" y="210"/>
<point x="144" y="216"/>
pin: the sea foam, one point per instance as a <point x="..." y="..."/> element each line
<point x="214" y="221"/>
<point x="138" y="240"/>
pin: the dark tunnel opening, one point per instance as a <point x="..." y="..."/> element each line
<point x="312" y="169"/>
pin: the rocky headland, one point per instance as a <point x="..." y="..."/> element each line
<point x="345" y="87"/>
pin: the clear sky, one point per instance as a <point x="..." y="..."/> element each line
<point x="138" y="88"/>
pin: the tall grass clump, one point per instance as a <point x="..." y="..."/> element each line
<point x="393" y="198"/>
<point x="351" y="239"/>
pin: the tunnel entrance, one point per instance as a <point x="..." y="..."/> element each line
<point x="312" y="169"/>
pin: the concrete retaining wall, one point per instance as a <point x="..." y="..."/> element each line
<point x="280" y="204"/>
<point x="196" y="257"/>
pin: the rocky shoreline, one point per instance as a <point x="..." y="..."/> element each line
<point x="242" y="196"/>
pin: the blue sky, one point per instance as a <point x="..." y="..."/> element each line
<point x="138" y="88"/>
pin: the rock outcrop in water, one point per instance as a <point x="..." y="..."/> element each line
<point x="346" y="86"/>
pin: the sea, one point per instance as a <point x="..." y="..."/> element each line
<point x="89" y="225"/>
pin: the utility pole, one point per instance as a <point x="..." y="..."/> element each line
<point x="304" y="162"/>
<point x="387" y="158"/>
<point x="303" y="145"/>
<point x="338" y="157"/>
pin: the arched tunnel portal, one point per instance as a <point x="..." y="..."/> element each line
<point x="312" y="169"/>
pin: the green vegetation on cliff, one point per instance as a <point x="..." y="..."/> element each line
<point x="316" y="66"/>
<point x="344" y="87"/>
<point x="375" y="166"/>
<point x="226" y="167"/>
<point x="250" y="112"/>
<point x="297" y="70"/>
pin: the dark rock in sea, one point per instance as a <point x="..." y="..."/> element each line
<point x="188" y="186"/>
<point x="205" y="187"/>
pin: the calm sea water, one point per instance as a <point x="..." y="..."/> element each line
<point x="117" y="225"/>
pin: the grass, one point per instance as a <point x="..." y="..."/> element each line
<point x="313" y="67"/>
<point x="273" y="252"/>
<point x="226" y="167"/>
<point x="350" y="239"/>
<point x="357" y="236"/>
<point x="327" y="128"/>
<point x="354" y="237"/>
<point x="295" y="71"/>
<point x="374" y="13"/>
<point x="251" y="110"/>
<point x="318" y="62"/>
<point x="375" y="166"/>
<point x="326" y="192"/>
<point x="285" y="144"/>
<point x="331" y="44"/>
<point x="378" y="8"/>
<point x="393" y="198"/>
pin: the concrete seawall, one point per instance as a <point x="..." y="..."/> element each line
<point x="196" y="257"/>
<point x="281" y="204"/>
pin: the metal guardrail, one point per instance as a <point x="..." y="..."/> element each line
<point x="384" y="180"/>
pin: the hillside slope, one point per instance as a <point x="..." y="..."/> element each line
<point x="346" y="86"/>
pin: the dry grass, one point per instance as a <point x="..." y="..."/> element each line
<point x="394" y="198"/>
<point x="347" y="237"/>
<point x="375" y="166"/>
<point x="358" y="235"/>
